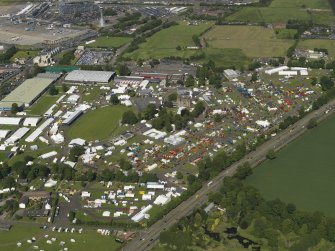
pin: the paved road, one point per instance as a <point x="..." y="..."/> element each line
<point x="147" y="239"/>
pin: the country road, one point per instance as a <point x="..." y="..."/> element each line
<point x="147" y="239"/>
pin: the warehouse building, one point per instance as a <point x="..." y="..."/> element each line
<point x="27" y="93"/>
<point x="80" y="76"/>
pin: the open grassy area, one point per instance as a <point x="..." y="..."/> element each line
<point x="303" y="173"/>
<point x="97" y="124"/>
<point x="163" y="43"/>
<point x="285" y="33"/>
<point x="280" y="11"/>
<point x="24" y="54"/>
<point x="318" y="43"/>
<point x="109" y="42"/>
<point x="43" y="104"/>
<point x="88" y="240"/>
<point x="227" y="57"/>
<point x="254" y="41"/>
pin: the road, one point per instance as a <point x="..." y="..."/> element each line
<point x="147" y="239"/>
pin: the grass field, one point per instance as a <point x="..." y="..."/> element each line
<point x="163" y="43"/>
<point x="227" y="57"/>
<point x="318" y="43"/>
<point x="285" y="33"/>
<point x="282" y="10"/>
<point x="43" y="104"/>
<point x="303" y="173"/>
<point x="88" y="240"/>
<point x="109" y="42"/>
<point x="254" y="41"/>
<point x="97" y="124"/>
<point x="24" y="54"/>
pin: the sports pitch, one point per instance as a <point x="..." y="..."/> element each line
<point x="254" y="41"/>
<point x="97" y="124"/>
<point x="303" y="173"/>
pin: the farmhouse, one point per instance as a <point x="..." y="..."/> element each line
<point x="90" y="76"/>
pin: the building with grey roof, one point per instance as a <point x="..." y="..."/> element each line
<point x="81" y="76"/>
<point x="26" y="93"/>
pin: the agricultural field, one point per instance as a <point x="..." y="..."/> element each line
<point x="163" y="43"/>
<point x="283" y="10"/>
<point x="227" y="57"/>
<point x="254" y="41"/>
<point x="88" y="240"/>
<point x="97" y="124"/>
<point x="318" y="43"/>
<point x="109" y="42"/>
<point x="303" y="172"/>
<point x="285" y="33"/>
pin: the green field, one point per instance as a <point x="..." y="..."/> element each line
<point x="97" y="124"/>
<point x="280" y="11"/>
<point x="163" y="43"/>
<point x="109" y="42"/>
<point x="318" y="43"/>
<point x="24" y="54"/>
<point x="42" y="104"/>
<point x="254" y="41"/>
<point x="285" y="33"/>
<point x="227" y="57"/>
<point x="303" y="173"/>
<point x="88" y="240"/>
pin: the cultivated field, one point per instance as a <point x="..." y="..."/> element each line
<point x="254" y="41"/>
<point x="318" y="43"/>
<point x="109" y="42"/>
<point x="97" y="124"/>
<point x="163" y="43"/>
<point x="283" y="10"/>
<point x="303" y="173"/>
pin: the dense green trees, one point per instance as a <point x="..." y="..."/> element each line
<point x="6" y="56"/>
<point x="114" y="100"/>
<point x="53" y="90"/>
<point x="122" y="70"/>
<point x="67" y="58"/>
<point x="75" y="152"/>
<point x="129" y="117"/>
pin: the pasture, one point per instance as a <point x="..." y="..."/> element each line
<point x="254" y="41"/>
<point x="303" y="172"/>
<point x="97" y="124"/>
<point x="163" y="43"/>
<point x="280" y="11"/>
<point x="318" y="43"/>
<point x="109" y="42"/>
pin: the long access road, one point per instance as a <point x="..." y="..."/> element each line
<point x="147" y="239"/>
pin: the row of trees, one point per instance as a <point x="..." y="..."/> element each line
<point x="8" y="54"/>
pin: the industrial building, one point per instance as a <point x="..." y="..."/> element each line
<point x="90" y="76"/>
<point x="27" y="93"/>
